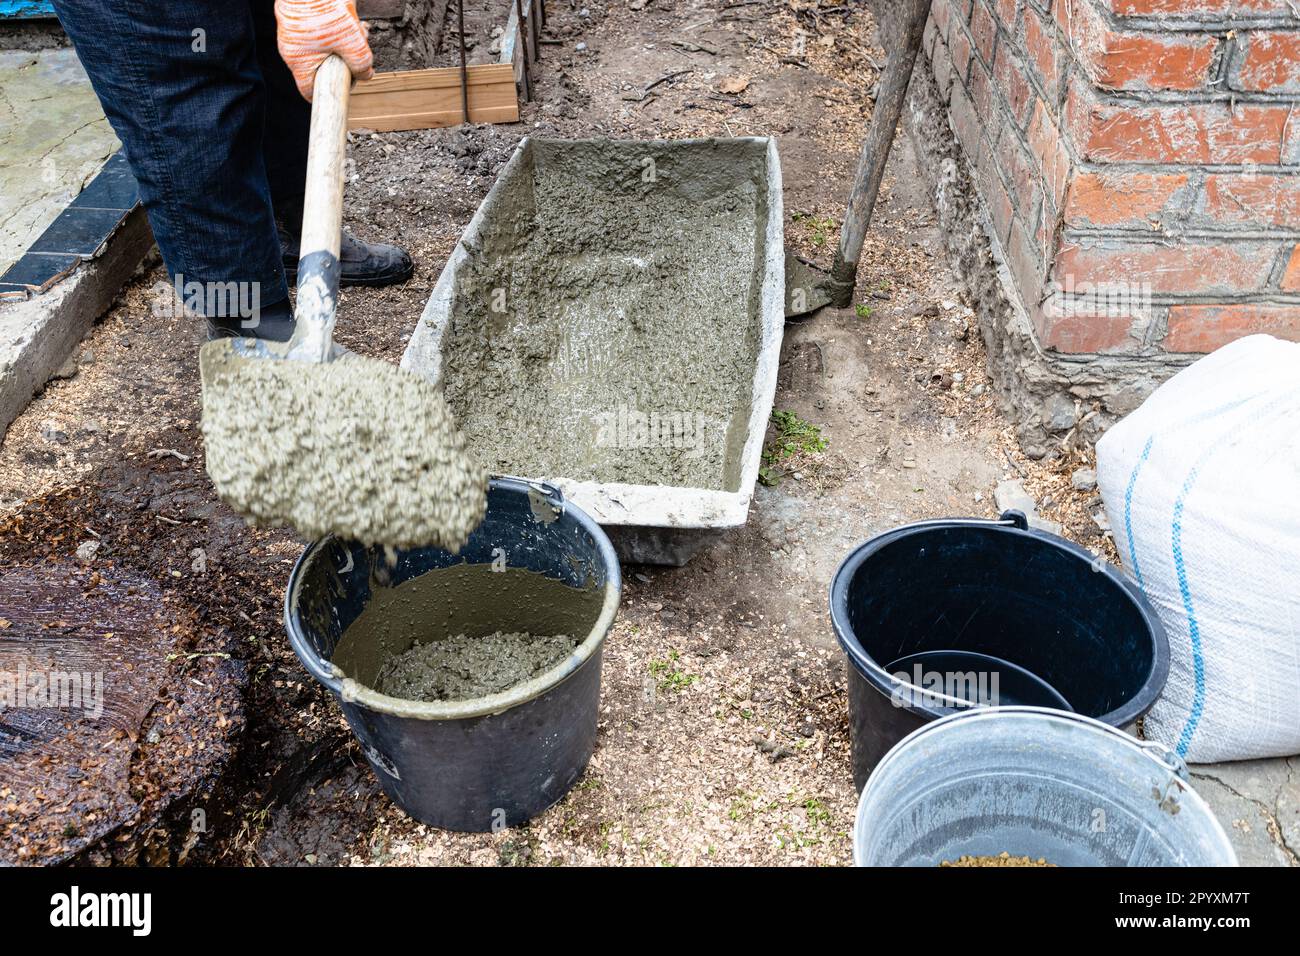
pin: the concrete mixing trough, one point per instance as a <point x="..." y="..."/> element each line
<point x="610" y="323"/>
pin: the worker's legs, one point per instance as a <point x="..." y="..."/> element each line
<point x="288" y="119"/>
<point x="180" y="82"/>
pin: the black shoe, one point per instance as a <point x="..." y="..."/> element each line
<point x="361" y="263"/>
<point x="273" y="324"/>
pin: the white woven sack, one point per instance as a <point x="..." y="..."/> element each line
<point x="1202" y="488"/>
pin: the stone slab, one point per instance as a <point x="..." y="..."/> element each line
<point x="53" y="140"/>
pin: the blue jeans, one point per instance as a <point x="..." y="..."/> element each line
<point x="211" y="123"/>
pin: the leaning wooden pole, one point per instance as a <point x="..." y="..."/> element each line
<point x="904" y="46"/>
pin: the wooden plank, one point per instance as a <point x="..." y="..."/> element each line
<point x="433" y="78"/>
<point x="510" y="47"/>
<point x="424" y="99"/>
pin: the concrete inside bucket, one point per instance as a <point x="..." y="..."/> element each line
<point x="605" y="321"/>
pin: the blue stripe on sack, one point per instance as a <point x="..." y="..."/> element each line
<point x="1193" y="627"/>
<point x="1128" y="512"/>
<point x="1132" y="479"/>
<point x="1180" y="565"/>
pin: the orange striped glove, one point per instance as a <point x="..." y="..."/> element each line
<point x="310" y="30"/>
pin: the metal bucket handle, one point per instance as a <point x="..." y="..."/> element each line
<point x="549" y="492"/>
<point x="1167" y="760"/>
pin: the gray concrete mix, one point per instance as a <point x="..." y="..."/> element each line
<point x="464" y="668"/>
<point x="567" y="353"/>
<point x="355" y="447"/>
<point x="458" y="633"/>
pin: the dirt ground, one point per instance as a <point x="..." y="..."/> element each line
<point x="723" y="728"/>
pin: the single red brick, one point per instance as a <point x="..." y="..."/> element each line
<point x="984" y="30"/>
<point x="1049" y="150"/>
<point x="981" y="93"/>
<point x="1009" y="74"/>
<point x="1197" y="8"/>
<point x="941" y="16"/>
<point x="959" y="49"/>
<point x="1291" y="278"/>
<point x="1269" y="62"/>
<point x="998" y="200"/>
<point x="1126" y="60"/>
<point x="1113" y="198"/>
<point x="1188" y="268"/>
<point x="1016" y="163"/>
<point x="1204" y="328"/>
<point x="1044" y="51"/>
<point x="942" y="66"/>
<point x="1065" y="330"/>
<point x="1136" y="62"/>
<point x="1257" y="199"/>
<point x="1176" y="133"/>
<point x="1025" y="265"/>
<point x="965" y="123"/>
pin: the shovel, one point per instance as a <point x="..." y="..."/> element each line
<point x="307" y="434"/>
<point x="322" y="221"/>
<point x="808" y="288"/>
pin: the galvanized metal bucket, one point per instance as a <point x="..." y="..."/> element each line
<point x="1033" y="782"/>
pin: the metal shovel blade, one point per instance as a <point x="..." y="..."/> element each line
<point x="808" y="288"/>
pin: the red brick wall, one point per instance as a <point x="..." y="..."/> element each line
<point x="1139" y="161"/>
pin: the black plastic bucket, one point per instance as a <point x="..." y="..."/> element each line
<point x="481" y="764"/>
<point x="995" y="588"/>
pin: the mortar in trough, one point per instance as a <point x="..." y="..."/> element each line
<point x="610" y="322"/>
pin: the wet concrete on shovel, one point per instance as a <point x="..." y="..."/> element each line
<point x="354" y="447"/>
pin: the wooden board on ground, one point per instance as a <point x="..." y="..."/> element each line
<point x="512" y="49"/>
<point x="424" y="99"/>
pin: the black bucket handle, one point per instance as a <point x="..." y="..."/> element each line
<point x="1012" y="520"/>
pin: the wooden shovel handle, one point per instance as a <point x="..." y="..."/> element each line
<point x="322" y="213"/>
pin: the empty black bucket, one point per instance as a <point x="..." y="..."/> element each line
<point x="495" y="761"/>
<point x="1000" y="590"/>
